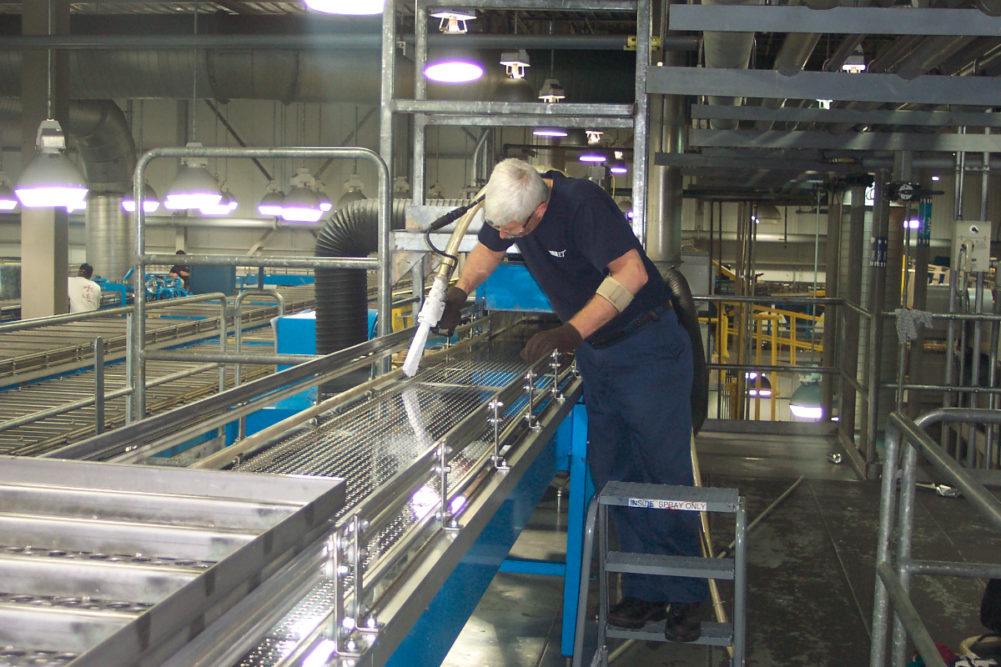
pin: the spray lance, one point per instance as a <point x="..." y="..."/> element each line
<point x="434" y="305"/>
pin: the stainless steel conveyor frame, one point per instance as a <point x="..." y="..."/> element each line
<point x="118" y="565"/>
<point x="471" y="423"/>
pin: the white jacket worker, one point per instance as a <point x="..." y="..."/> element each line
<point x="84" y="294"/>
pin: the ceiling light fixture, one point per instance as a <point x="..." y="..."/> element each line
<point x="271" y="203"/>
<point x="618" y="168"/>
<point x="453" y="22"/>
<point x="552" y="132"/>
<point x="855" y="63"/>
<point x="593" y="136"/>
<point x="227" y="204"/>
<point x="347" y="7"/>
<point x="194" y="187"/>
<point x="592" y="157"/>
<point x="453" y="68"/>
<point x="352" y="191"/>
<point x="551" y="91"/>
<point x="515" y="63"/>
<point x="50" y="179"/>
<point x="151" y="203"/>
<point x="302" y="204"/>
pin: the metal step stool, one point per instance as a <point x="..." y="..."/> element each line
<point x="659" y="496"/>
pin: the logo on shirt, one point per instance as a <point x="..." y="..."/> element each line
<point x="558" y="253"/>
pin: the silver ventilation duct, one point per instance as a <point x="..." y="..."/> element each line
<point x="109" y="236"/>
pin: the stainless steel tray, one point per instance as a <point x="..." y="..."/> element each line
<point x="109" y="565"/>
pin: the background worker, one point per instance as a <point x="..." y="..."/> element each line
<point x="182" y="271"/>
<point x="633" y="355"/>
<point x="84" y="294"/>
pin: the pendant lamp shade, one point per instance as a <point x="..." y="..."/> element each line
<point x="226" y="205"/>
<point x="50" y="179"/>
<point x="271" y="203"/>
<point x="194" y="187"/>
<point x="151" y="203"/>
<point x="302" y="203"/>
<point x="348" y="7"/>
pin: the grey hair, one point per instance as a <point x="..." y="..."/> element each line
<point x="514" y="191"/>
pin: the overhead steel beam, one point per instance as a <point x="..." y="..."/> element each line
<point x="837" y="20"/>
<point x="524" y="108"/>
<point x="736" y="162"/>
<point x="854" y="116"/>
<point x="887" y="88"/>
<point x="865" y="141"/>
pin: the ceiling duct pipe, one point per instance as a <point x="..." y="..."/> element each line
<point x="727" y="50"/>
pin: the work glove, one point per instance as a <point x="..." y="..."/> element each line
<point x="563" y="338"/>
<point x="455" y="299"/>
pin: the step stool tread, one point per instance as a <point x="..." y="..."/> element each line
<point x="677" y="566"/>
<point x="666" y="496"/>
<point x="713" y="634"/>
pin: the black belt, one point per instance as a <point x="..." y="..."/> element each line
<point x="651" y="315"/>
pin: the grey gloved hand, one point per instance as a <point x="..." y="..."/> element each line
<point x="563" y="338"/>
<point x="455" y="299"/>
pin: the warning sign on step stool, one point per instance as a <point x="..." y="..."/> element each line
<point x="684" y="505"/>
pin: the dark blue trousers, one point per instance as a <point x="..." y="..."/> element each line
<point x="637" y="392"/>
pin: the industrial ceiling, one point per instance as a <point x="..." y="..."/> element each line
<point x="753" y="78"/>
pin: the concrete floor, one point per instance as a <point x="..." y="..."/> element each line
<point x="810" y="569"/>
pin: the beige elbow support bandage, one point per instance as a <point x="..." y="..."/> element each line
<point x="614" y="292"/>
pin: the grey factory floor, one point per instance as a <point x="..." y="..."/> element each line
<point x="810" y="567"/>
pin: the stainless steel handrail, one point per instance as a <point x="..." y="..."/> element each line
<point x="138" y="325"/>
<point x="893" y="578"/>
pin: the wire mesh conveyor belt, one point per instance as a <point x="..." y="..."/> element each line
<point x="185" y="383"/>
<point x="57" y="348"/>
<point x="399" y="433"/>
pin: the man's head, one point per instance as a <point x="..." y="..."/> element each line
<point x="516" y="198"/>
<point x="85" y="270"/>
<point x="179" y="252"/>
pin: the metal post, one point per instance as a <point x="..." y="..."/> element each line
<point x="98" y="385"/>
<point x="887" y="501"/>
<point x="740" y="586"/>
<point x="905" y="526"/>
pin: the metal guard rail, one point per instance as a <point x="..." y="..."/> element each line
<point x="892" y="579"/>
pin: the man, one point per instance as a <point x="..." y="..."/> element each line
<point x="182" y="271"/>
<point x="634" y="357"/>
<point x="84" y="294"/>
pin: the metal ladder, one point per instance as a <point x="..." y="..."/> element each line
<point x="678" y="498"/>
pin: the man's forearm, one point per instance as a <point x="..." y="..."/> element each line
<point x="480" y="263"/>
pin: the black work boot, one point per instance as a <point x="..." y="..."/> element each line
<point x="684" y="623"/>
<point x="634" y="613"/>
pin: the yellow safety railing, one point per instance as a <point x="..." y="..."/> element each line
<point x="782" y="334"/>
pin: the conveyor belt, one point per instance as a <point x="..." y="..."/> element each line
<point x="40" y="436"/>
<point x="371" y="443"/>
<point x="71" y="348"/>
<point x="97" y="569"/>
<point x="59" y="348"/>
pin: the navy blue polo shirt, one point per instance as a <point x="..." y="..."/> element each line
<point x="569" y="251"/>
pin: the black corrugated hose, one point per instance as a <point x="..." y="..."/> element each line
<point x="684" y="306"/>
<point x="342" y="294"/>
